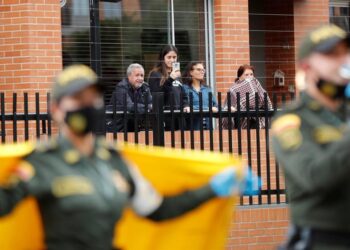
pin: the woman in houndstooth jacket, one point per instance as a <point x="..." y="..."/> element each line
<point x="247" y="83"/>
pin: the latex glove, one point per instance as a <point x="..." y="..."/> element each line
<point x="224" y="183"/>
<point x="251" y="183"/>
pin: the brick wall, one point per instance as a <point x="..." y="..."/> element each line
<point x="231" y="23"/>
<point x="257" y="227"/>
<point x="30" y="51"/>
<point x="30" y="46"/>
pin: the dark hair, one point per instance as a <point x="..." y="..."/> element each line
<point x="160" y="65"/>
<point x="241" y="70"/>
<point x="186" y="76"/>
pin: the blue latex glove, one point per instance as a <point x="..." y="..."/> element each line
<point x="224" y="182"/>
<point x="251" y="183"/>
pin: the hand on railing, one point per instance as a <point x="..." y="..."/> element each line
<point x="187" y="109"/>
<point x="233" y="109"/>
<point x="214" y="109"/>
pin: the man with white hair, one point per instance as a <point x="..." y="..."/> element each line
<point x="132" y="89"/>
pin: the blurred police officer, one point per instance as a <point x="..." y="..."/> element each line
<point x="312" y="142"/>
<point x="81" y="184"/>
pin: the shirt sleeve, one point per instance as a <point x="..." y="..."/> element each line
<point x="147" y="202"/>
<point x="145" y="198"/>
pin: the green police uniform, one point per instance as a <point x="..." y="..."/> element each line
<point x="313" y="146"/>
<point x="82" y="197"/>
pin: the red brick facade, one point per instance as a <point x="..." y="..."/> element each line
<point x="30" y="45"/>
<point x="231" y="24"/>
<point x="30" y="56"/>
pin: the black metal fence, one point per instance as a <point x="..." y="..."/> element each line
<point x="28" y="117"/>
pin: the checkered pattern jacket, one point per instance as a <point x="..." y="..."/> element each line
<point x="242" y="87"/>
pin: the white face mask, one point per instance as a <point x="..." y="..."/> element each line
<point x="249" y="79"/>
<point x="344" y="71"/>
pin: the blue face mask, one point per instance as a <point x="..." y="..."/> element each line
<point x="84" y="120"/>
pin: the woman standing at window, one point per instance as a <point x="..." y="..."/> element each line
<point x="193" y="78"/>
<point x="164" y="78"/>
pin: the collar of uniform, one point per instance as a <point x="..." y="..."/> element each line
<point x="70" y="155"/>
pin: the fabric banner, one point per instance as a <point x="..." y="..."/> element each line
<point x="170" y="171"/>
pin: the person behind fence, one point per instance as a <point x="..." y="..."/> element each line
<point x="193" y="79"/>
<point x="82" y="184"/>
<point x="163" y="78"/>
<point x="133" y="92"/>
<point x="311" y="140"/>
<point x="247" y="83"/>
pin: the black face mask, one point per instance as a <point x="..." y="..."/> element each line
<point x="85" y="120"/>
<point x="331" y="90"/>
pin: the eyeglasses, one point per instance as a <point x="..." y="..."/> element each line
<point x="198" y="69"/>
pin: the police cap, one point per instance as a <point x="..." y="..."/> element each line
<point x="73" y="79"/>
<point x="322" y="39"/>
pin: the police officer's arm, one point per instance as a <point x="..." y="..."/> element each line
<point x="147" y="202"/>
<point x="307" y="164"/>
<point x="25" y="181"/>
<point x="10" y="196"/>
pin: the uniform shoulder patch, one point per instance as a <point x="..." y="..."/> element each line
<point x="286" y="129"/>
<point x="285" y="122"/>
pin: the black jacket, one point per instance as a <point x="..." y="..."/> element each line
<point x="169" y="88"/>
<point x="125" y="94"/>
<point x="141" y="96"/>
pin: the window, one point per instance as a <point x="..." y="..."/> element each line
<point x="124" y="32"/>
<point x="339" y="13"/>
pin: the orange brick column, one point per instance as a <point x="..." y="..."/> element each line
<point x="30" y="54"/>
<point x="307" y="15"/>
<point x="30" y="45"/>
<point x="231" y="22"/>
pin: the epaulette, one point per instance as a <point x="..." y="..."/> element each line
<point x="46" y="145"/>
<point x="105" y="149"/>
<point x="286" y="129"/>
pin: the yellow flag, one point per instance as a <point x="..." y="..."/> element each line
<point x="170" y="171"/>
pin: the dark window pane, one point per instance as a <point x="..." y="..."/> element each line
<point x="133" y="31"/>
